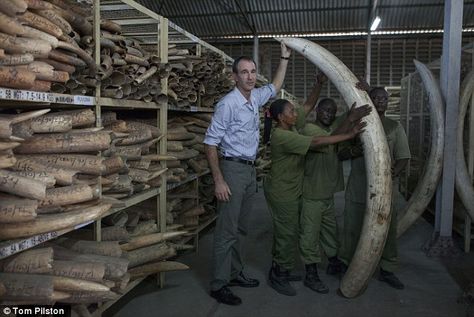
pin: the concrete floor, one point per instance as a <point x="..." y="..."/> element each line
<point x="434" y="286"/>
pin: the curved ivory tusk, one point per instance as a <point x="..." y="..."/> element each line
<point x="377" y="161"/>
<point x="463" y="181"/>
<point x="429" y="179"/>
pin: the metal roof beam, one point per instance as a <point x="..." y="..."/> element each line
<point x="365" y="7"/>
<point x="230" y="11"/>
<point x="246" y="17"/>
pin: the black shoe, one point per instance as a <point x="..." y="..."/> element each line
<point x="278" y="280"/>
<point x="390" y="279"/>
<point x="335" y="266"/>
<point x="312" y="279"/>
<point x="243" y="281"/>
<point x="225" y="296"/>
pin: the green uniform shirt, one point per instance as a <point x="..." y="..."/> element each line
<point x="323" y="175"/>
<point x="399" y="149"/>
<point x="288" y="148"/>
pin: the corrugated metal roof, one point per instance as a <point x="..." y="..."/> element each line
<point x="216" y="18"/>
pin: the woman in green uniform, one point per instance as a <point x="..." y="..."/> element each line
<point x="283" y="186"/>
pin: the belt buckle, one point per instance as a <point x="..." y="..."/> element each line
<point x="239" y="160"/>
<point x="251" y="163"/>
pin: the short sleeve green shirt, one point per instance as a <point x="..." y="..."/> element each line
<point x="399" y="149"/>
<point x="288" y="148"/>
<point x="323" y="174"/>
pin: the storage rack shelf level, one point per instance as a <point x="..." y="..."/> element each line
<point x="191" y="109"/>
<point x="17" y="95"/>
<point x="11" y="247"/>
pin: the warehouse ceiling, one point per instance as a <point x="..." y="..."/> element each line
<point x="244" y="18"/>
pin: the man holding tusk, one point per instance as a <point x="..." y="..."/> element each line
<point x="355" y="204"/>
<point x="235" y="130"/>
<point x="323" y="177"/>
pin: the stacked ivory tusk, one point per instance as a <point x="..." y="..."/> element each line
<point x="55" y="274"/>
<point x="48" y="46"/>
<point x="133" y="146"/>
<point x="40" y="43"/>
<point x="185" y="142"/>
<point x="206" y="77"/>
<point x="132" y="164"/>
<point x="82" y="271"/>
<point x="126" y="70"/>
<point x="182" y="208"/>
<point x="49" y="171"/>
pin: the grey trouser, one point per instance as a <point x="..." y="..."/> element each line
<point x="232" y="222"/>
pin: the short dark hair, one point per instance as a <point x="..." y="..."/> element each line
<point x="375" y="89"/>
<point x="325" y="101"/>
<point x="241" y="58"/>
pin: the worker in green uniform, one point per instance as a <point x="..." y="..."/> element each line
<point x="323" y="177"/>
<point x="355" y="203"/>
<point x="284" y="185"/>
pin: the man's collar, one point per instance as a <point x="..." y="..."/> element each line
<point x="242" y="99"/>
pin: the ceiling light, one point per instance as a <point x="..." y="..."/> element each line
<point x="375" y="23"/>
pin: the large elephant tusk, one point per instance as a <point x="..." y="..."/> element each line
<point x="377" y="160"/>
<point x="429" y="179"/>
<point x="463" y="181"/>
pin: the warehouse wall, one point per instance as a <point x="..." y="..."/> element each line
<point x="392" y="59"/>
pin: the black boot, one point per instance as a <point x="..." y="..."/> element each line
<point x="312" y="279"/>
<point x="294" y="277"/>
<point x="335" y="266"/>
<point x="278" y="280"/>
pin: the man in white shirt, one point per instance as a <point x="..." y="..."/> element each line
<point x="235" y="130"/>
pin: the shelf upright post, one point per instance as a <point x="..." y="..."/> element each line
<point x="98" y="115"/>
<point x="199" y="53"/>
<point x="163" y="117"/>
<point x="163" y="124"/>
<point x="470" y="166"/>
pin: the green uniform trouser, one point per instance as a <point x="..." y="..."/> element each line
<point x="285" y="217"/>
<point x="232" y="222"/>
<point x="353" y="219"/>
<point x="318" y="228"/>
